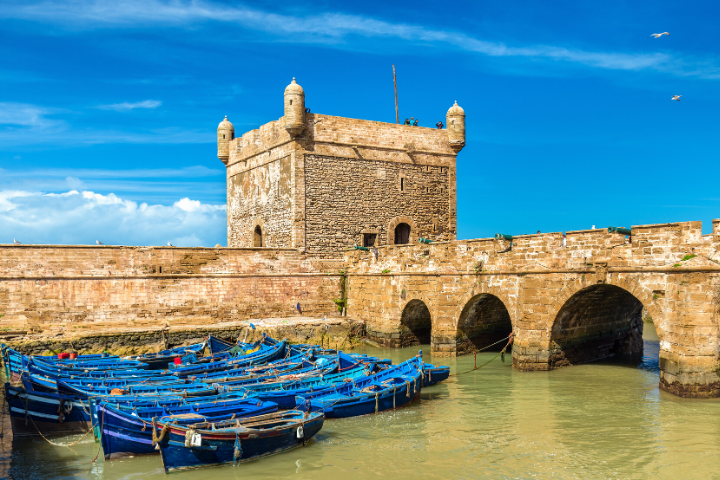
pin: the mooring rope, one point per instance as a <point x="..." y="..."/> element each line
<point x="502" y="352"/>
<point x="68" y="445"/>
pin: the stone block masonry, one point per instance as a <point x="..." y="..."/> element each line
<point x="78" y="288"/>
<point x="567" y="302"/>
<point x="323" y="183"/>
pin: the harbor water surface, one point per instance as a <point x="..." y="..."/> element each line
<point x="600" y="420"/>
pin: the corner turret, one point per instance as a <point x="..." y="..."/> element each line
<point x="294" y="109"/>
<point x="456" y="127"/>
<point x="225" y="133"/>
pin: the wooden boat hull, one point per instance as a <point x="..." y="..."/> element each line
<point x="220" y="448"/>
<point x="433" y="375"/>
<point x="33" y="413"/>
<point x="125" y="435"/>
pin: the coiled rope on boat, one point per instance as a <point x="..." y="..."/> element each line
<point x="155" y="438"/>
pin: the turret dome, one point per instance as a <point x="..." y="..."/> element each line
<point x="294" y="109"/>
<point x="456" y="110"/>
<point x="294" y="88"/>
<point x="225" y="133"/>
<point x="226" y="125"/>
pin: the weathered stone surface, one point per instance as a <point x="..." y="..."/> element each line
<point x="95" y="287"/>
<point x="566" y="304"/>
<point x="337" y="331"/>
<point x="323" y="189"/>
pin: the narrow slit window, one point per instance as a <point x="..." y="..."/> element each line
<point x="223" y="136"/>
<point x="402" y="184"/>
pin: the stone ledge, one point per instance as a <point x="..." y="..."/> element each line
<point x="331" y="331"/>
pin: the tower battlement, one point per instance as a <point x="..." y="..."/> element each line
<point x="324" y="183"/>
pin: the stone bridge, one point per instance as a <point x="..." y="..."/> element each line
<point x="568" y="298"/>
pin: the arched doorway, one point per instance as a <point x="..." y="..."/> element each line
<point x="257" y="237"/>
<point x="415" y="324"/>
<point x="402" y="234"/>
<point x="483" y="321"/>
<point x="597" y="322"/>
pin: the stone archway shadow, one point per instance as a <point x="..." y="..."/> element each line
<point x="594" y="321"/>
<point x="483" y="319"/>
<point x="415" y="323"/>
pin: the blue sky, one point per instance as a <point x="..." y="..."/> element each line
<point x="108" y="109"/>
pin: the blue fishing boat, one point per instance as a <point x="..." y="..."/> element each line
<point x="285" y="393"/>
<point x="236" y="441"/>
<point x="80" y="367"/>
<point x="263" y="355"/>
<point x="218" y="345"/>
<point x="48" y="384"/>
<point x="433" y="374"/>
<point x="160" y="360"/>
<point x="127" y="430"/>
<point x="33" y="413"/>
<point x="391" y="388"/>
<point x="181" y="389"/>
<point x="60" y="373"/>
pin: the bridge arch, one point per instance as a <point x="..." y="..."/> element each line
<point x="415" y="323"/>
<point x="483" y="320"/>
<point x="597" y="321"/>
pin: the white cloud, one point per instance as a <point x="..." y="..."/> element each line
<point x="76" y="217"/>
<point x="23" y="116"/>
<point x="331" y="27"/>
<point x="125" y="106"/>
<point x="26" y="124"/>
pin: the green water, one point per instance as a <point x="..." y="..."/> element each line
<point x="602" y="420"/>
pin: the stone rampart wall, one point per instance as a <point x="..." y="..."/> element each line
<point x="75" y="287"/>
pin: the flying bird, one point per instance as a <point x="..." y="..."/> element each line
<point x="99" y="242"/>
<point x="676" y="97"/>
<point x="658" y="35"/>
<point x="16" y="242"/>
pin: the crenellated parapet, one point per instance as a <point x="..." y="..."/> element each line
<point x="285" y="178"/>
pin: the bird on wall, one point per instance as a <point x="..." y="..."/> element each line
<point x="16" y="242"/>
<point x="99" y="242"/>
<point x="170" y="245"/>
<point x="676" y="97"/>
<point x="658" y="35"/>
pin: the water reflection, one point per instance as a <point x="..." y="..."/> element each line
<point x="601" y="420"/>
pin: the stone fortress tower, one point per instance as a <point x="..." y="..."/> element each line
<point x="322" y="184"/>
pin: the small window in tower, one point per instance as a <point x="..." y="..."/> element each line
<point x="290" y="102"/>
<point x="232" y="135"/>
<point x="434" y="227"/>
<point x="402" y="184"/>
<point x="257" y="237"/>
<point x="427" y="189"/>
<point x="223" y="136"/>
<point x="369" y="239"/>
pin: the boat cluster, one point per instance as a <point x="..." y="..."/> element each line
<point x="237" y="403"/>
